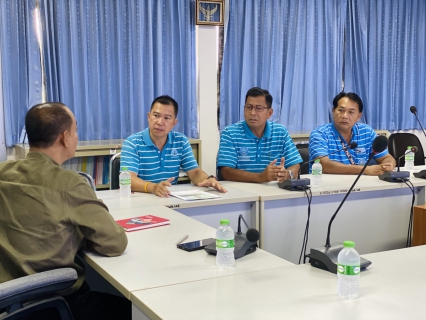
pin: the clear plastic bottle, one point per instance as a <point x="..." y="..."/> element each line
<point x="316" y="174"/>
<point x="225" y="245"/>
<point x="348" y="271"/>
<point x="125" y="183"/>
<point x="409" y="160"/>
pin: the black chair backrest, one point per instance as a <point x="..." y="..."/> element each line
<point x="114" y="173"/>
<point x="304" y="153"/>
<point x="398" y="143"/>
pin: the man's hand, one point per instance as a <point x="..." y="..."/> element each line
<point x="374" y="170"/>
<point x="387" y="166"/>
<point x="274" y="172"/>
<point x="160" y="189"/>
<point x="212" y="182"/>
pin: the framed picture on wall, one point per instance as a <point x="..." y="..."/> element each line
<point x="210" y="12"/>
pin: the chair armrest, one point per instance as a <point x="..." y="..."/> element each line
<point x="36" y="285"/>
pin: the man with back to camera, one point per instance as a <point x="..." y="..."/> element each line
<point x="255" y="149"/>
<point x="47" y="214"/>
<point x="347" y="110"/>
<point x="155" y="155"/>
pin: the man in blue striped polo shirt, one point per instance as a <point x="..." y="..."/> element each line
<point x="257" y="150"/>
<point x="155" y="155"/>
<point x="329" y="138"/>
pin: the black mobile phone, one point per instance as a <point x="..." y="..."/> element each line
<point x="195" y="245"/>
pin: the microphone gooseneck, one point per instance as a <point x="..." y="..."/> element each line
<point x="351" y="145"/>
<point x="379" y="145"/>
<point x="413" y="110"/>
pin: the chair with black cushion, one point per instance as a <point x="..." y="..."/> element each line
<point x="89" y="179"/>
<point x="22" y="297"/>
<point x="114" y="172"/>
<point x="398" y="143"/>
<point x="304" y="153"/>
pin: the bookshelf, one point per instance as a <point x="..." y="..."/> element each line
<point x="102" y="148"/>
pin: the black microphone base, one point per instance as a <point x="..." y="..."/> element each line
<point x="421" y="174"/>
<point x="242" y="246"/>
<point x="395" y="176"/>
<point x="325" y="258"/>
<point x="295" y="184"/>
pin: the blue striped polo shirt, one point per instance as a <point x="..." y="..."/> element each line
<point x="140" y="155"/>
<point x="325" y="139"/>
<point x="240" y="149"/>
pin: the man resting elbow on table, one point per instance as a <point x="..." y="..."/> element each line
<point x="328" y="138"/>
<point x="155" y="155"/>
<point x="257" y="150"/>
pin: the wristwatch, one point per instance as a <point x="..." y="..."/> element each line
<point x="291" y="174"/>
<point x="211" y="176"/>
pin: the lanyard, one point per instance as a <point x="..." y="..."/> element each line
<point x="345" y="149"/>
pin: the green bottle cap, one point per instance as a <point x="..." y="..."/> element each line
<point x="409" y="147"/>
<point x="224" y="221"/>
<point x="349" y="244"/>
<point x="124" y="169"/>
<point x="317" y="161"/>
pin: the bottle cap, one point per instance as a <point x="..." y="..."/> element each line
<point x="409" y="147"/>
<point x="124" y="169"/>
<point x="317" y="161"/>
<point x="349" y="244"/>
<point x="224" y="221"/>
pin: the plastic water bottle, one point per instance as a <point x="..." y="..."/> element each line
<point x="225" y="245"/>
<point x="409" y="160"/>
<point x="125" y="183"/>
<point x="316" y="174"/>
<point x="348" y="271"/>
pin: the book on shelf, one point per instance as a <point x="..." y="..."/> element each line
<point x="194" y="195"/>
<point x="142" y="222"/>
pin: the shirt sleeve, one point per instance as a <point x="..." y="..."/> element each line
<point x="188" y="159"/>
<point x="91" y="216"/>
<point x="318" y="146"/>
<point x="291" y="154"/>
<point x="129" y="156"/>
<point x="227" y="154"/>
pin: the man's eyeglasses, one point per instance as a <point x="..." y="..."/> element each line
<point x="258" y="109"/>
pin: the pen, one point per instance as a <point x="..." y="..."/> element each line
<point x="183" y="238"/>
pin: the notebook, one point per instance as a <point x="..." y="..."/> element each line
<point x="142" y="222"/>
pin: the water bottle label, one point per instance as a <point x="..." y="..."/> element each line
<point x="316" y="172"/>
<point x="409" y="157"/>
<point x="224" y="244"/>
<point x="348" y="270"/>
<point x="125" y="182"/>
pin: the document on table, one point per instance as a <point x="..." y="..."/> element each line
<point x="194" y="195"/>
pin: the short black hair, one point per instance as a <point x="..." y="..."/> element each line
<point x="256" y="92"/>
<point x="44" y="122"/>
<point x="166" y="100"/>
<point x="351" y="96"/>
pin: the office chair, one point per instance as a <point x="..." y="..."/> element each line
<point x="23" y="296"/>
<point x="304" y="153"/>
<point x="89" y="179"/>
<point x="397" y="145"/>
<point x="114" y="172"/>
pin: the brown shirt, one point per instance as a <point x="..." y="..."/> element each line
<point x="45" y="214"/>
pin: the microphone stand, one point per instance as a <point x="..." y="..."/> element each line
<point x="325" y="257"/>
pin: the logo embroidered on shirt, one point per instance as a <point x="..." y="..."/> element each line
<point x="174" y="153"/>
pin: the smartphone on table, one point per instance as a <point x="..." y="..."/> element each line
<point x="195" y="245"/>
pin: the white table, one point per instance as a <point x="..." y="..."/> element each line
<point x="152" y="260"/>
<point x="391" y="288"/>
<point x="229" y="206"/>
<point x="375" y="215"/>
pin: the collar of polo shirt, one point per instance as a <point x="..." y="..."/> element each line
<point x="148" y="141"/>
<point x="250" y="134"/>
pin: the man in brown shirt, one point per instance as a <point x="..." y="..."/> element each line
<point x="47" y="214"/>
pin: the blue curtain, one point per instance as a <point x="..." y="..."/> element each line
<point x="292" y="48"/>
<point x="385" y="60"/>
<point x="107" y="60"/>
<point x="20" y="64"/>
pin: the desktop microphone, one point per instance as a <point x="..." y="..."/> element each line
<point x="398" y="176"/>
<point x="300" y="184"/>
<point x="422" y="173"/>
<point x="244" y="244"/>
<point x="413" y="110"/>
<point x="325" y="257"/>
